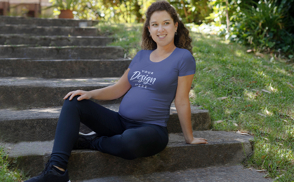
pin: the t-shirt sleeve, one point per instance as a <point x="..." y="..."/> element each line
<point x="187" y="65"/>
<point x="135" y="59"/>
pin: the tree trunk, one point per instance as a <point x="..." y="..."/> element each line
<point x="185" y="10"/>
<point x="227" y="15"/>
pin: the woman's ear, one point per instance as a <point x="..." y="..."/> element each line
<point x="176" y="25"/>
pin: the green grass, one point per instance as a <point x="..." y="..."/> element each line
<point x="7" y="174"/>
<point x="248" y="93"/>
<point x="126" y="36"/>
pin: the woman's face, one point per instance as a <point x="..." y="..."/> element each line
<point x="162" y="28"/>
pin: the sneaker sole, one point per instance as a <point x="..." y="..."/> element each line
<point x="91" y="133"/>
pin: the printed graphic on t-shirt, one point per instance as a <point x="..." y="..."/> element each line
<point x="143" y="78"/>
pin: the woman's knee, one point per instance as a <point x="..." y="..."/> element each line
<point x="130" y="151"/>
<point x="74" y="102"/>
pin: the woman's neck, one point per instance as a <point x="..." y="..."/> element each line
<point x="165" y="50"/>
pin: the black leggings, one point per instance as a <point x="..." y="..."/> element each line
<point x="119" y="136"/>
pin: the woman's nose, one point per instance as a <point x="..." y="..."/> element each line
<point x="160" y="28"/>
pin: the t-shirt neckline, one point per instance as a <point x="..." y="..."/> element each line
<point x="163" y="59"/>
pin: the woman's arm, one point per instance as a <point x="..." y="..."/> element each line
<point x="184" y="110"/>
<point x="108" y="93"/>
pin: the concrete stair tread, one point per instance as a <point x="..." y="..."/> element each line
<point x="56" y="47"/>
<point x="32" y="92"/>
<point x="39" y="124"/>
<point x="175" y="140"/>
<point x="38" y="26"/>
<point x="53" y="112"/>
<point x="209" y="174"/>
<point x="63" y="60"/>
<point x="44" y="21"/>
<point x="54" y="36"/>
<point x="17" y="39"/>
<point x="223" y="148"/>
<point x="37" y="82"/>
<point x="62" y="52"/>
<point x="59" y="68"/>
<point x="47" y="30"/>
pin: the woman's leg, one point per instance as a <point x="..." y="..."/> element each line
<point x="98" y="118"/>
<point x="140" y="141"/>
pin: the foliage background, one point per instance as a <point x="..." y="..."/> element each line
<point x="262" y="25"/>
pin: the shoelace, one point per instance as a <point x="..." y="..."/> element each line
<point x="45" y="171"/>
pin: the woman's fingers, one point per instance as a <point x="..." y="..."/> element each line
<point x="83" y="95"/>
<point x="66" y="96"/>
<point x="72" y="94"/>
<point x="199" y="141"/>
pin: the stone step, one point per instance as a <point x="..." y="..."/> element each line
<point x="30" y="92"/>
<point x="44" y="22"/>
<point x="63" y="68"/>
<point x="46" y="31"/>
<point x="223" y="148"/>
<point x="230" y="173"/>
<point x="40" y="124"/>
<point x="66" y="52"/>
<point x="16" y="39"/>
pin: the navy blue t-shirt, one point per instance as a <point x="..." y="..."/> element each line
<point x="154" y="85"/>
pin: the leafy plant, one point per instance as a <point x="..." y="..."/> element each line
<point x="263" y="26"/>
<point x="64" y="4"/>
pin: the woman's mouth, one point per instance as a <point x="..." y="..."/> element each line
<point x="161" y="36"/>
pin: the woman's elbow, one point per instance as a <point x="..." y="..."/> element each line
<point x="182" y="101"/>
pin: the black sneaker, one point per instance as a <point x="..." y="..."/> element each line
<point x="50" y="174"/>
<point x="85" y="141"/>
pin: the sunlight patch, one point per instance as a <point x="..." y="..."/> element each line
<point x="267" y="112"/>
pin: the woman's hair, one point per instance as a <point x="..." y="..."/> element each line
<point x="182" y="39"/>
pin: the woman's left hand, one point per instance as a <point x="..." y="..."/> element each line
<point x="198" y="141"/>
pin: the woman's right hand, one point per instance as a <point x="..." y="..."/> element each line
<point x="83" y="95"/>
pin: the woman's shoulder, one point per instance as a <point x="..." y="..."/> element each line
<point x="184" y="51"/>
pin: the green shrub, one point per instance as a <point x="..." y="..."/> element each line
<point x="7" y="174"/>
<point x="265" y="27"/>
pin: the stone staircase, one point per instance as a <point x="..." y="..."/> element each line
<point x="43" y="59"/>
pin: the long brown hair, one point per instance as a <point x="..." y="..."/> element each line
<point x="182" y="39"/>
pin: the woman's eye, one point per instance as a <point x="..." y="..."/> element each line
<point x="166" y="23"/>
<point x="154" y="24"/>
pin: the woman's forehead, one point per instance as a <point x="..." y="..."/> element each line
<point x="160" y="16"/>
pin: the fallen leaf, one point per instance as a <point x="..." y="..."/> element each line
<point x="237" y="97"/>
<point x="266" y="91"/>
<point x="242" y="132"/>
<point x="222" y="98"/>
<point x="290" y="84"/>
<point x="263" y="170"/>
<point x="219" y="121"/>
<point x="261" y="114"/>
